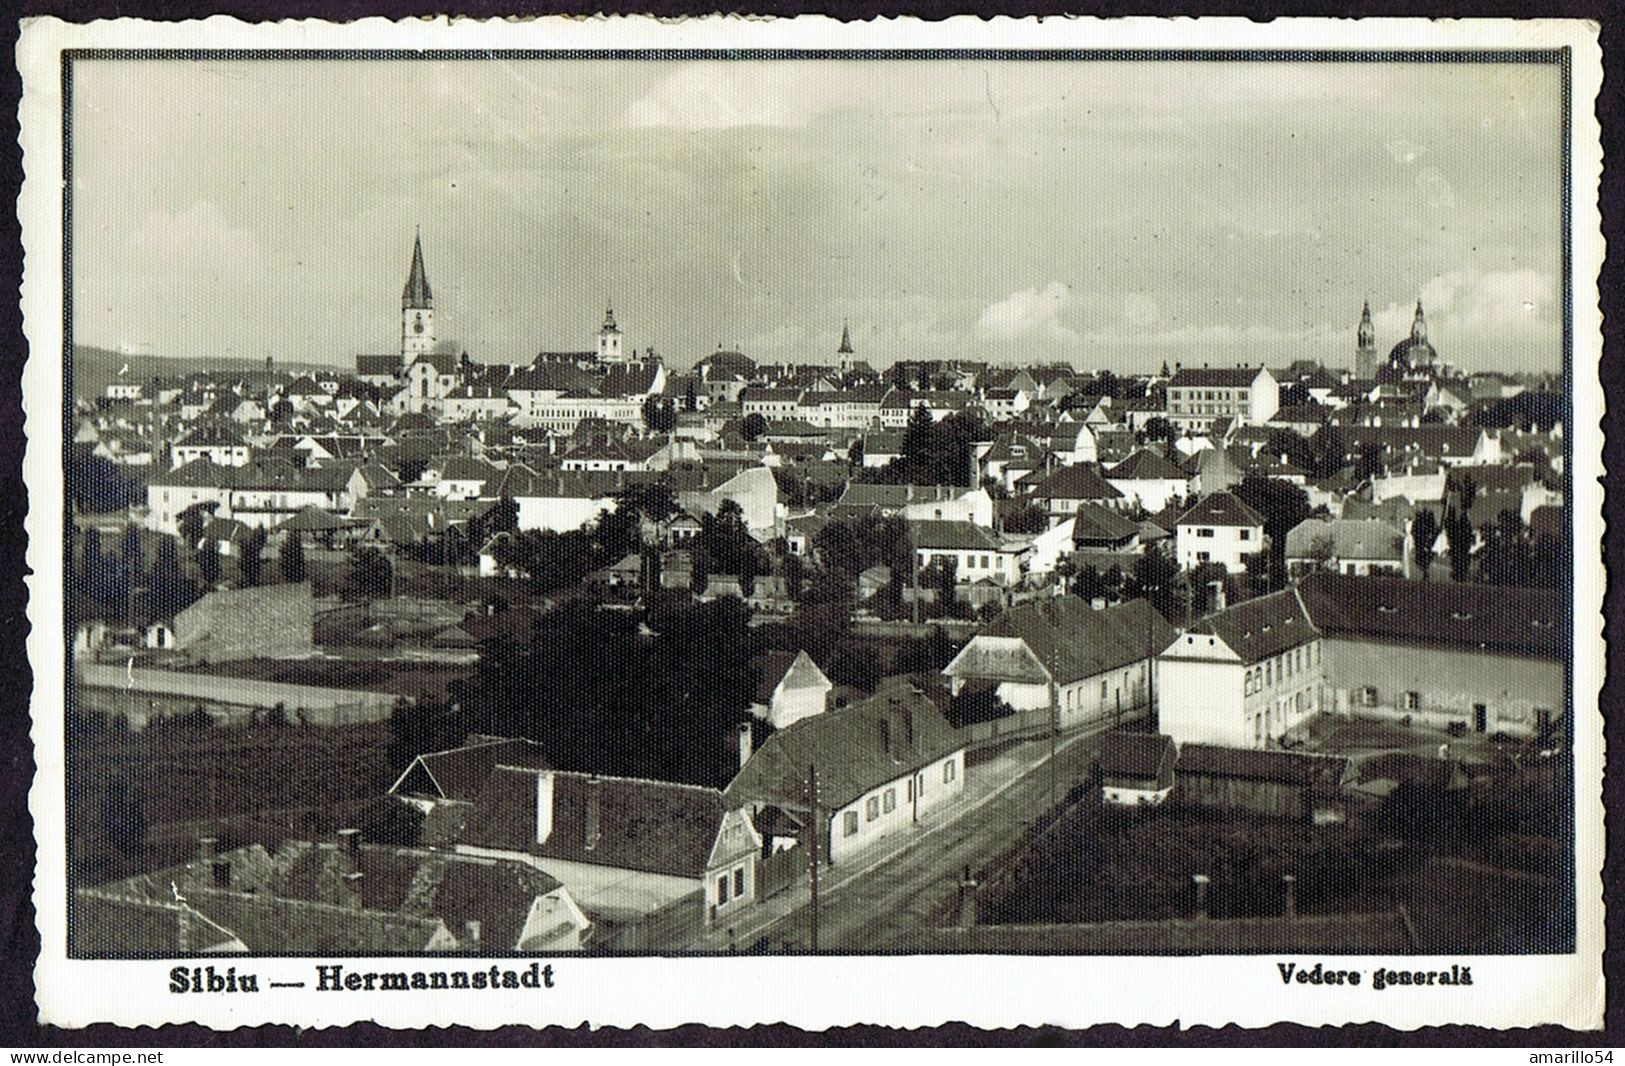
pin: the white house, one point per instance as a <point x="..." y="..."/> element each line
<point x="1218" y="528"/>
<point x="975" y="551"/>
<point x="623" y="847"/>
<point x="1196" y="398"/>
<point x="1243" y="677"/>
<point x="1149" y="479"/>
<point x="792" y="687"/>
<point x="1075" y="665"/>
<point x="884" y="765"/>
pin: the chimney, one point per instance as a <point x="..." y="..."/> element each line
<point x="1200" y="883"/>
<point x="471" y="933"/>
<point x="544" y="806"/>
<point x="908" y="727"/>
<point x="1289" y="888"/>
<point x="591" y="821"/>
<point x="745" y="747"/>
<point x="886" y="737"/>
<point x="1216" y="594"/>
<point x="222" y="873"/>
<point x="206" y="847"/>
<point x="350" y="841"/>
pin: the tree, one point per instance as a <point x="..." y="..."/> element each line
<point x="370" y="574"/>
<point x="923" y="383"/>
<point x="172" y="590"/>
<point x="1458" y="531"/>
<point x="1154" y="579"/>
<point x="691" y="400"/>
<point x="291" y="558"/>
<point x="253" y="557"/>
<point x="753" y="426"/>
<point x="947" y="582"/>
<point x="1329" y="452"/>
<point x="1294" y="394"/>
<point x="1283" y="506"/>
<point x="504" y="517"/>
<point x="659" y="414"/>
<point x="208" y="564"/>
<point x="1370" y="463"/>
<point x="1159" y="428"/>
<point x="190" y="522"/>
<point x="854" y="454"/>
<point x="1424" y="535"/>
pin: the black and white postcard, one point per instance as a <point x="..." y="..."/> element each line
<point x="736" y="521"/>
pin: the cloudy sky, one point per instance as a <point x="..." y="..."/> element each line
<point x="1110" y="214"/>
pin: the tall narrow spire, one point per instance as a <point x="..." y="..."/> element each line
<point x="417" y="294"/>
<point x="846" y="340"/>
<point x="1419" y="325"/>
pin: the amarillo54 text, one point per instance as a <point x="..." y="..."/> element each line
<point x="1293" y="973"/>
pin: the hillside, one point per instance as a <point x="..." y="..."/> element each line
<point x="94" y="368"/>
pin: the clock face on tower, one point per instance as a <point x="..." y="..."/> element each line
<point x="417" y="323"/>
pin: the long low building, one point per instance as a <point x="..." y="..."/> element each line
<point x="1474" y="658"/>
<point x="143" y="694"/>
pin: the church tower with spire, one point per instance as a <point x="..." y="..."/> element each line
<point x="1365" y="352"/>
<point x="609" y="339"/>
<point x="844" y="353"/>
<point x="417" y="310"/>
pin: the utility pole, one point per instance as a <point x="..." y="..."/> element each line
<point x="1054" y="732"/>
<point x="812" y="858"/>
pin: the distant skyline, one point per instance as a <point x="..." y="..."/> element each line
<point x="1104" y="213"/>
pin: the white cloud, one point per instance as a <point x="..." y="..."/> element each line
<point x="1405" y="151"/>
<point x="1028" y="312"/>
<point x="1471" y="309"/>
<point x="1439" y="192"/>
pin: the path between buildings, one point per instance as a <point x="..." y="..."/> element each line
<point x="964" y="835"/>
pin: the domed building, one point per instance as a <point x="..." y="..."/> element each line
<point x="1414" y="352"/>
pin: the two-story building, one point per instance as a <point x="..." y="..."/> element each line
<point x="1243" y="677"/>
<point x="1218" y="528"/>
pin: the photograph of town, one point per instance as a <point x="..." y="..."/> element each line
<point x="984" y="504"/>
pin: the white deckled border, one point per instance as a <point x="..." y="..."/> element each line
<point x="827" y="991"/>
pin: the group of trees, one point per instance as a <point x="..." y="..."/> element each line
<point x="1500" y="552"/>
<point x="934" y="452"/>
<point x="124" y="585"/>
<point x="603" y="697"/>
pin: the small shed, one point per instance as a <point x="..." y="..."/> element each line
<point x="1285" y="784"/>
<point x="1136" y="769"/>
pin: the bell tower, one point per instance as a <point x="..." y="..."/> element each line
<point x="609" y="339"/>
<point x="1365" y="352"/>
<point x="417" y="310"/>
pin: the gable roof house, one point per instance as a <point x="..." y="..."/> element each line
<point x="791" y="688"/>
<point x="1149" y="479"/>
<point x="356" y="898"/>
<point x="1058" y="661"/>
<point x="1218" y="528"/>
<point x="626" y="849"/>
<point x="883" y="763"/>
<point x="1136" y="769"/>
<point x="1243" y="677"/>
<point x="1062" y="491"/>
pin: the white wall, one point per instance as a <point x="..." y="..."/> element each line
<point x="1226" y="546"/>
<point x="913" y="797"/>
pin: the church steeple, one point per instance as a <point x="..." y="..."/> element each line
<point x="416" y="294"/>
<point x="609" y="338"/>
<point x="846" y="340"/>
<point x="417" y="309"/>
<point x="1365" y="351"/>
<point x="1419" y="325"/>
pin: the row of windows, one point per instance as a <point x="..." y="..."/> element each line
<point x="1209" y="394"/>
<point x="886" y="802"/>
<point x="1207" y="532"/>
<point x="1282" y="667"/>
<point x="970" y="561"/>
